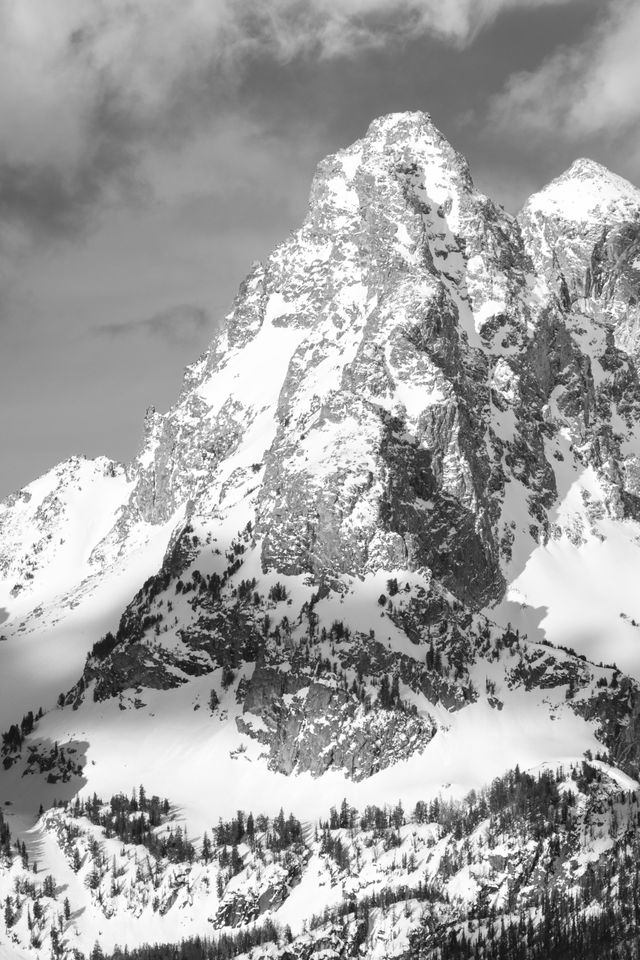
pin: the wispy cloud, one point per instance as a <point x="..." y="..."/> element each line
<point x="583" y="90"/>
<point x="182" y="324"/>
<point x="89" y="87"/>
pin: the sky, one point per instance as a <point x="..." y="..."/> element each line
<point x="150" y="151"/>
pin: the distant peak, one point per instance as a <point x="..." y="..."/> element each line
<point x="586" y="190"/>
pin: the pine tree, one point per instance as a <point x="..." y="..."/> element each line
<point x="206" y="848"/>
<point x="9" y="914"/>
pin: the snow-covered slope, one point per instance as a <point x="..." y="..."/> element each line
<point x="61" y="581"/>
<point x="54" y="524"/>
<point x="405" y="470"/>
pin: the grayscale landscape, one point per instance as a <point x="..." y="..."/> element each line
<point x="342" y="660"/>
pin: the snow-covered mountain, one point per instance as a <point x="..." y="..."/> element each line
<point x="383" y="548"/>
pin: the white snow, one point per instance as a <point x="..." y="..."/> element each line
<point x="585" y="192"/>
<point x="36" y="666"/>
<point x="583" y="596"/>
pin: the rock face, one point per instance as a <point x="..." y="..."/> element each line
<point x="320" y="726"/>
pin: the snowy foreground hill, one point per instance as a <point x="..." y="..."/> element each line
<point x="346" y="663"/>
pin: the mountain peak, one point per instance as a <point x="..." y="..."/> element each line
<point x="584" y="168"/>
<point x="587" y="190"/>
<point x="415" y="132"/>
<point x="397" y="148"/>
<point x="403" y="122"/>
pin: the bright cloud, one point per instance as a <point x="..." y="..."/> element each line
<point x="590" y="88"/>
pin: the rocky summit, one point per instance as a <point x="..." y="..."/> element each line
<point x="346" y="662"/>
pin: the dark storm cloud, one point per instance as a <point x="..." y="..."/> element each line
<point x="49" y="201"/>
<point x="184" y="323"/>
<point x="38" y="197"/>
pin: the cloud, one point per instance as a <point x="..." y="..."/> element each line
<point x="583" y="90"/>
<point x="181" y="324"/>
<point x="376" y="21"/>
<point x="88" y="88"/>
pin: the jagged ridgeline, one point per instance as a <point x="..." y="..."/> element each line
<point x="531" y="867"/>
<point x="315" y="582"/>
